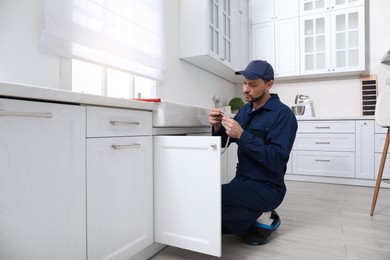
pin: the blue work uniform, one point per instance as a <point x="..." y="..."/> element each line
<point x="263" y="152"/>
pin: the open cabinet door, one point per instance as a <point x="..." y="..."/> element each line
<point x="187" y="192"/>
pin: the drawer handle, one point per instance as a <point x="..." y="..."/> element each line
<point x="26" y="114"/>
<point x="321" y="160"/>
<point x="123" y="123"/>
<point x="322" y="127"/>
<point x="125" y="146"/>
<point x="322" y="142"/>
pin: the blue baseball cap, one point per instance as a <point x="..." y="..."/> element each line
<point x="257" y="69"/>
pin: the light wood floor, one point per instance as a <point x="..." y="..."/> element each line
<point x="319" y="222"/>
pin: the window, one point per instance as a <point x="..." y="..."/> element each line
<point x="124" y="37"/>
<point x="98" y="80"/>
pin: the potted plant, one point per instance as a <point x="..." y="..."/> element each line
<point x="235" y="104"/>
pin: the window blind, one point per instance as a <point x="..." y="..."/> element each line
<point x="123" y="34"/>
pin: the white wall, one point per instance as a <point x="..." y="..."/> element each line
<point x="341" y="96"/>
<point x="21" y="61"/>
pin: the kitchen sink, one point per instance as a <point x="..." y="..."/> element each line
<point x="172" y="114"/>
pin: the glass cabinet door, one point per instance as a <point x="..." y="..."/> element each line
<point x="348" y="39"/>
<point x="220" y="29"/>
<point x="214" y="29"/>
<point x="226" y="31"/>
<point x="315" y="44"/>
<point x="308" y="7"/>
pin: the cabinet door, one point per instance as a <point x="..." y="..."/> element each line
<point x="348" y="47"/>
<point x="287" y="54"/>
<point x="187" y="198"/>
<point x="308" y="7"/>
<point x="42" y="181"/>
<point x="286" y="9"/>
<point x="263" y="42"/>
<point x="225" y="31"/>
<point x="365" y="148"/>
<point x="262" y="11"/>
<point x="119" y="196"/>
<point x="315" y="44"/>
<point x="338" y="4"/>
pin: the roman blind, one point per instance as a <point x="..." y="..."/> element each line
<point x="123" y="34"/>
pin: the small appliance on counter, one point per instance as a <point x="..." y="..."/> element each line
<point x="303" y="106"/>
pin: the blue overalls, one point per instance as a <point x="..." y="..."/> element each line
<point x="263" y="152"/>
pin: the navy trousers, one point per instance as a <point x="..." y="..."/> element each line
<point x="243" y="201"/>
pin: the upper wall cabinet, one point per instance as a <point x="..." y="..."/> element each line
<point x="318" y="6"/>
<point x="333" y="41"/>
<point x="309" y="37"/>
<point x="275" y="35"/>
<point x="212" y="33"/>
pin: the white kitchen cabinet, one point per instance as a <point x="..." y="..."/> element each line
<point x="210" y="31"/>
<point x="263" y="42"/>
<point x="325" y="148"/>
<point x="365" y="149"/>
<point x="275" y="35"/>
<point x="42" y="181"/>
<point x="287" y="53"/>
<point x="119" y="182"/>
<point x="333" y="41"/>
<point x="308" y="7"/>
<point x="380" y="136"/>
<point x="270" y="10"/>
<point x="187" y="192"/>
<point x="337" y="151"/>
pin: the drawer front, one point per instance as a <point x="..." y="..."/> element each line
<point x="380" y="130"/>
<point x="330" y="164"/>
<point x="325" y="142"/>
<point x="326" y="126"/>
<point x="103" y="121"/>
<point x="386" y="170"/>
<point x="380" y="142"/>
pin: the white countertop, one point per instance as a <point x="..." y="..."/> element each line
<point x="64" y="96"/>
<point x="334" y="118"/>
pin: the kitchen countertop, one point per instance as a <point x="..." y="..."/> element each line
<point x="334" y="118"/>
<point x="64" y="96"/>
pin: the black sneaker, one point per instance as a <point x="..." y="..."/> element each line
<point x="269" y="229"/>
<point x="259" y="234"/>
<point x="254" y="238"/>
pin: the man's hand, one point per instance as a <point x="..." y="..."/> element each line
<point x="233" y="129"/>
<point x="215" y="119"/>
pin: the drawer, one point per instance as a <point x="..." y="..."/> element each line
<point x="325" y="142"/>
<point x="380" y="142"/>
<point x="386" y="170"/>
<point x="329" y="164"/>
<point x="102" y="121"/>
<point x="326" y="126"/>
<point x="380" y="130"/>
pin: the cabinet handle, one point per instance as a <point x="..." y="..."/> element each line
<point x="214" y="146"/>
<point x="26" y="114"/>
<point x="322" y="127"/>
<point x="321" y="160"/>
<point x="125" y="146"/>
<point x="123" y="123"/>
<point x="322" y="142"/>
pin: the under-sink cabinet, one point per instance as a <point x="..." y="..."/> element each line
<point x="187" y="192"/>
<point x="42" y="181"/>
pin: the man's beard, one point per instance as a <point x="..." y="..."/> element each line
<point x="254" y="99"/>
